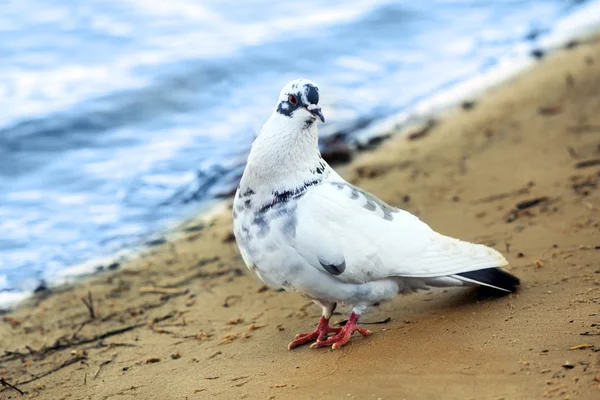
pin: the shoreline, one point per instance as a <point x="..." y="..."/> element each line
<point x="186" y="319"/>
<point x="570" y="31"/>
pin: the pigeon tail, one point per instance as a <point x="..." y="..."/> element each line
<point x="495" y="278"/>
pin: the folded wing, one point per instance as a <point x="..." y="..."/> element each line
<point x="349" y="233"/>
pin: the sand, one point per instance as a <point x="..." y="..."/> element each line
<point x="187" y="320"/>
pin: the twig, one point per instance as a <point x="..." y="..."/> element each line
<point x="57" y="346"/>
<point x="89" y="304"/>
<point x="159" y="290"/>
<point x="61" y="366"/>
<point x="4" y="383"/>
<point x="205" y="276"/>
<point x="102" y="364"/>
<point x="62" y="346"/>
<point x="501" y="196"/>
<point x="585" y="128"/>
<point x="12" y="355"/>
<point x="231" y="297"/>
<point x="80" y="328"/>
<point x="525" y="204"/>
<point x="588" y="163"/>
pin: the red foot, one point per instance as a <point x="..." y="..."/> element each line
<point x="323" y="329"/>
<point x="343" y="336"/>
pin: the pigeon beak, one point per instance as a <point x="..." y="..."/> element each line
<point x="317" y="113"/>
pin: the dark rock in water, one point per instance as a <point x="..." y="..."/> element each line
<point x="339" y="153"/>
<point x="538" y="53"/>
<point x="199" y="189"/>
<point x="420" y="130"/>
<point x="225" y="193"/>
<point x="42" y="287"/>
<point x="374" y="142"/>
<point x="227" y="186"/>
<point x="335" y="149"/>
<point x="114" y="266"/>
<point x="100" y="268"/>
<point x="156" y="242"/>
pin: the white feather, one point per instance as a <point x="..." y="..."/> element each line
<point x="331" y="224"/>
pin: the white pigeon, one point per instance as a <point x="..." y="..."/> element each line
<point x="301" y="227"/>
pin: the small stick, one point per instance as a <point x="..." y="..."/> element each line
<point x="159" y="290"/>
<point x="4" y="383"/>
<point x="525" y="204"/>
<point x="79" y="329"/>
<point x="102" y="364"/>
<point x="501" y="196"/>
<point x="89" y="304"/>
<point x="231" y="297"/>
<point x="588" y="163"/>
<point x="61" y="366"/>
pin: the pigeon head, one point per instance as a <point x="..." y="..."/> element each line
<point x="299" y="100"/>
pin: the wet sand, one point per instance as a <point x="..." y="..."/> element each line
<point x="519" y="171"/>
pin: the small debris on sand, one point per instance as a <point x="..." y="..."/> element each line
<point x="568" y="365"/>
<point x="549" y="110"/>
<point x="581" y="346"/>
<point x="230" y="337"/>
<point x="229" y="238"/>
<point x="13" y="322"/>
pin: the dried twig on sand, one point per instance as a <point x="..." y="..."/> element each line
<point x="159" y="290"/>
<point x="68" y="362"/>
<point x="102" y="364"/>
<point x="227" y="302"/>
<point x="587" y="163"/>
<point x="62" y="345"/>
<point x="8" y="385"/>
<point x="501" y="196"/>
<point x="89" y="304"/>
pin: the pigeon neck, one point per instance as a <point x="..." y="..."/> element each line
<point x="284" y="157"/>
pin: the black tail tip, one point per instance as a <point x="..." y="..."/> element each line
<point x="494" y="277"/>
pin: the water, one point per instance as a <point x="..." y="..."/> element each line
<point x="120" y="117"/>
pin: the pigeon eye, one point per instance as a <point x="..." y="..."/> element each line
<point x="293" y="99"/>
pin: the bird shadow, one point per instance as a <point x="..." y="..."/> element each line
<point x="436" y="301"/>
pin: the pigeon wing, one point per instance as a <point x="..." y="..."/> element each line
<point x="355" y="237"/>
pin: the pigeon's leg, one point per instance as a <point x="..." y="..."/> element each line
<point x="322" y="331"/>
<point x="343" y="336"/>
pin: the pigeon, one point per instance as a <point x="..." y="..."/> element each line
<point x="301" y="227"/>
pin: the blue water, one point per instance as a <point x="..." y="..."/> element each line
<point x="120" y="117"/>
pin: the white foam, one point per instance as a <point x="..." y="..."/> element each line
<point x="583" y="22"/>
<point x="578" y="25"/>
<point x="10" y="299"/>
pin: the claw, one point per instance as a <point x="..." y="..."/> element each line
<point x="344" y="335"/>
<point x="319" y="334"/>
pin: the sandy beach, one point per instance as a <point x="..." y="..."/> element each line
<point x="517" y="170"/>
